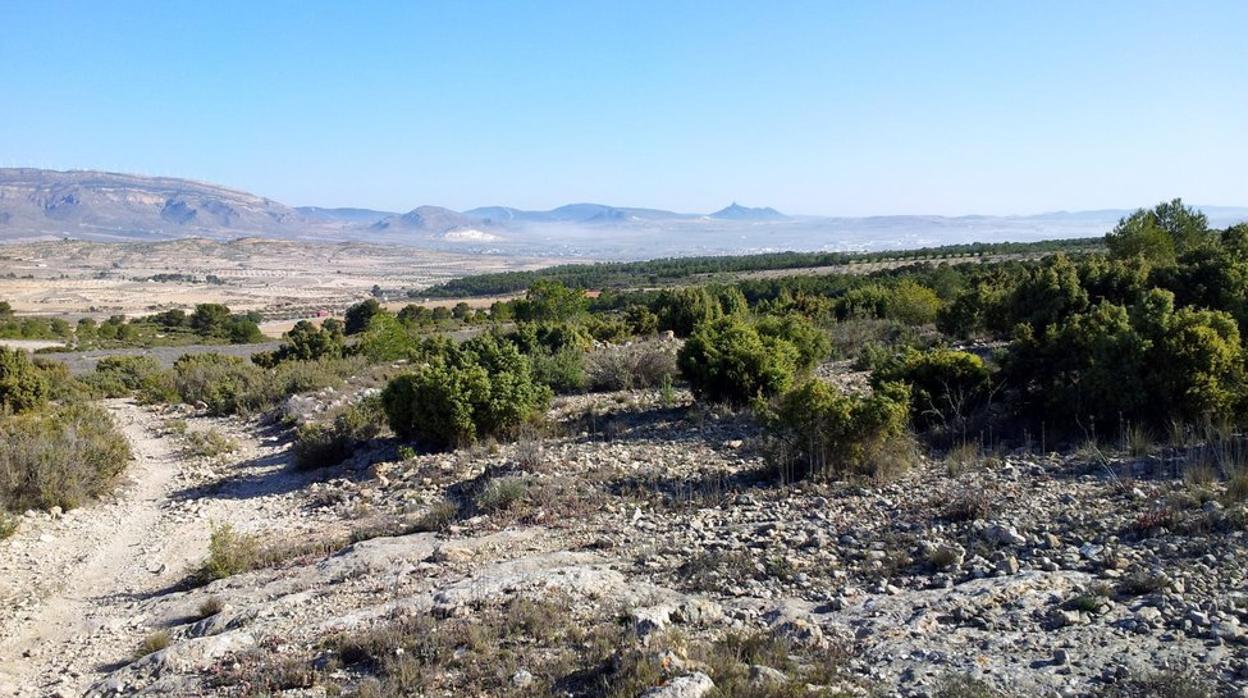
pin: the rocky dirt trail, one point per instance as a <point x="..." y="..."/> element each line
<point x="71" y="586"/>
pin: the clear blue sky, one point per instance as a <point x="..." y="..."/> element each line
<point x="821" y="107"/>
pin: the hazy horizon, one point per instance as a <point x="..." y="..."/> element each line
<point x="944" y="109"/>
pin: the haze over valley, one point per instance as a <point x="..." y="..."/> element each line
<point x="105" y="207"/>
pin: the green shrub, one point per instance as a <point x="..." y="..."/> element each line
<point x="22" y="385"/>
<point x="1152" y="366"/>
<point x="360" y="316"/>
<point x="642" y="322"/>
<point x="321" y="445"/>
<point x="550" y="301"/>
<point x="142" y="376"/>
<point x="682" y="310"/>
<point x="487" y="389"/>
<point x="222" y="384"/>
<point x="729" y="361"/>
<point x="385" y="338"/>
<point x="229" y="553"/>
<point x="609" y="330"/>
<point x="532" y="337"/>
<point x="8" y="524"/>
<point x="209" y="443"/>
<point x="305" y="342"/>
<point x="227" y="385"/>
<point x="812" y="343"/>
<point x="562" y="371"/>
<point x="435" y="405"/>
<point x="62" y="385"/>
<point x="820" y="431"/>
<point x="947" y="386"/>
<point x="62" y="457"/>
<point x="911" y="303"/>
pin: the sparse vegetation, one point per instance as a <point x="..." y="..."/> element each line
<point x="319" y="445"/>
<point x="153" y="643"/>
<point x="822" y="432"/>
<point x="229" y="553"/>
<point x="62" y="457"/>
<point x="208" y="443"/>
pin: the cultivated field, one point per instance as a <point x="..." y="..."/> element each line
<point x="282" y="280"/>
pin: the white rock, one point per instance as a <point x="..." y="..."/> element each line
<point x="692" y="685"/>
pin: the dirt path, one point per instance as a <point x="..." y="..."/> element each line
<point x="70" y="587"/>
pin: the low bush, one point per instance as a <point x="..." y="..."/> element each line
<point x="63" y="386"/>
<point x="562" y="371"/>
<point x="229" y="553"/>
<point x="62" y="457"/>
<point x="643" y="365"/>
<point x="729" y="361"/>
<point x="818" y="431"/>
<point x="222" y="384"/>
<point x="23" y="386"/>
<point x="153" y="643"/>
<point x="812" y="343"/>
<point x="322" y="445"/>
<point x="1151" y="366"/>
<point x="227" y="385"/>
<point x="947" y="386"/>
<point x="485" y="389"/>
<point x="8" y="524"/>
<point x="209" y="443"/>
<point x="142" y="376"/>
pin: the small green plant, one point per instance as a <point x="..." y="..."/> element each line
<point x="154" y="642"/>
<point x="969" y="504"/>
<point x="1088" y="603"/>
<point x="965" y="686"/>
<point x="501" y="494"/>
<point x="962" y="456"/>
<point x="229" y="553"/>
<point x="406" y="452"/>
<point x="1237" y="487"/>
<point x="8" y="525"/>
<point x="323" y="445"/>
<point x="209" y="443"/>
<point x="667" y="394"/>
<point x="22" y="385"/>
<point x="944" y="557"/>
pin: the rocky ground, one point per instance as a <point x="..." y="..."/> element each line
<point x="632" y="544"/>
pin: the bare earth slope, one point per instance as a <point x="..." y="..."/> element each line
<point x="71" y="587"/>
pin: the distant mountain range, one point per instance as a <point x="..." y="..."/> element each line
<point x="104" y="206"/>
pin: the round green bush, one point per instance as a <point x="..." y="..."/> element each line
<point x="22" y="385"/>
<point x="729" y="361"/>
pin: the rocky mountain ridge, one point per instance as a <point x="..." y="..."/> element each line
<point x="102" y="206"/>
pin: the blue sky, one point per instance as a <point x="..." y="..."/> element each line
<point x="823" y="107"/>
